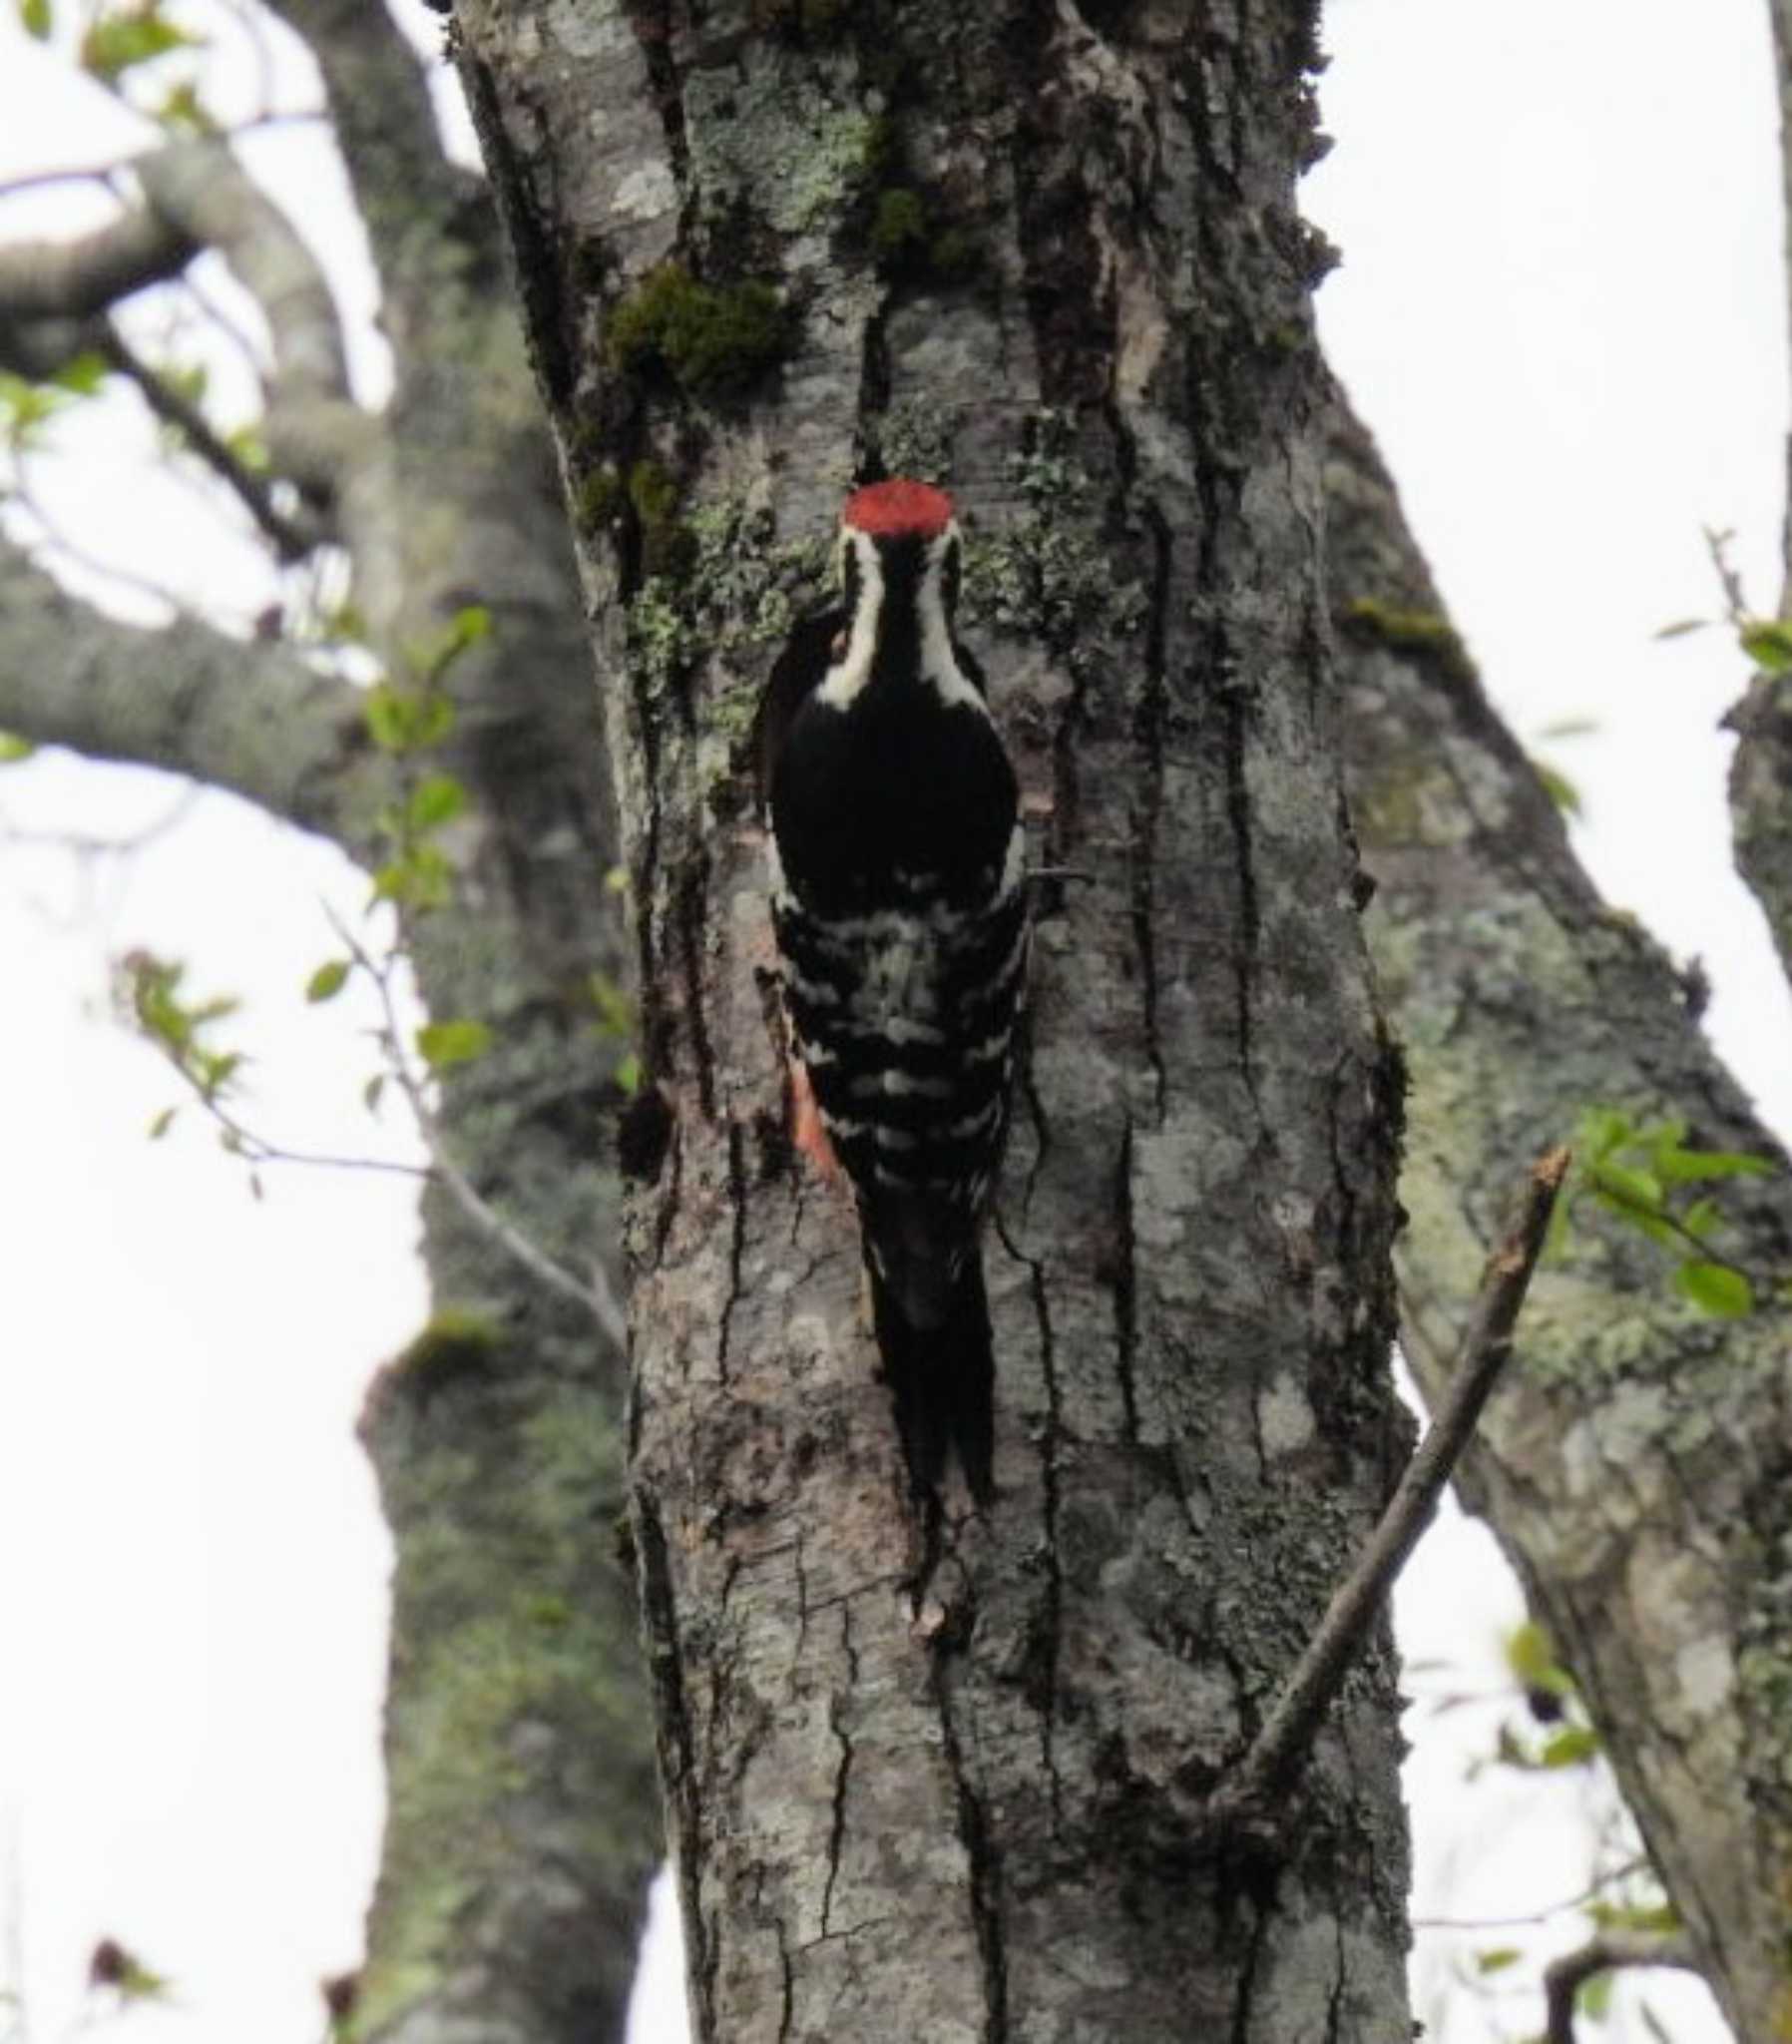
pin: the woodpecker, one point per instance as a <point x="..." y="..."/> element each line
<point x="898" y="900"/>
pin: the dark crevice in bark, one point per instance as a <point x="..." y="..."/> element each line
<point x="787" y="2005"/>
<point x="1235" y="712"/>
<point x="1046" y="1623"/>
<point x="1149" y="724"/>
<point x="1125" y="1286"/>
<point x="874" y="397"/>
<point x="737" y="1199"/>
<point x="984" y="1863"/>
<point x="652" y="21"/>
<point x="533" y="242"/>
<point x="1247" y="1975"/>
<point x="837" y="1830"/>
<point x="688" y="919"/>
<point x="678" y="1752"/>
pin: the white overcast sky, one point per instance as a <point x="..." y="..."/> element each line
<point x="1561" y="310"/>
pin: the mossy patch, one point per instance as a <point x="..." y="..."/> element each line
<point x="1424" y="633"/>
<point x="713" y="340"/>
<point x="455" y="1341"/>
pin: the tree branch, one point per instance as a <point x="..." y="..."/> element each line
<point x="315" y="432"/>
<point x="75" y="279"/>
<point x="596" y="1297"/>
<point x="294" y="537"/>
<point x="246" y="717"/>
<point x="378" y="94"/>
<point x="1564" y="1977"/>
<point x="1288" y="1732"/>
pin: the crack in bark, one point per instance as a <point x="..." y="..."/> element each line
<point x="738" y="1197"/>
<point x="1049" y="1638"/>
<point x="688" y="920"/>
<point x="1152" y="705"/>
<point x="678" y="1746"/>
<point x="842" y="1778"/>
<point x="1125" y="1286"/>
<point x="984" y="1865"/>
<point x="651" y="22"/>
<point x="787" y="2005"/>
<point x="1234" y="711"/>
<point x="1247" y="1976"/>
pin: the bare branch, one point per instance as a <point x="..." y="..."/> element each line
<point x="74" y="279"/>
<point x="1288" y="1732"/>
<point x="1480" y="1923"/>
<point x="248" y="717"/>
<point x="597" y="1297"/>
<point x="294" y="537"/>
<point x="1564" y="1977"/>
<point x="379" y="101"/>
<point x="315" y="432"/>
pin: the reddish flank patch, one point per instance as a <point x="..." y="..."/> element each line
<point x="897" y="509"/>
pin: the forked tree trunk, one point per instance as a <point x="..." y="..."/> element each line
<point x="950" y="1782"/>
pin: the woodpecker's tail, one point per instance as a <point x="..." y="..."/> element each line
<point x="942" y="1379"/>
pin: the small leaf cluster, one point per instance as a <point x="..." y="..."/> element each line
<point x="409" y="720"/>
<point x="1645" y="1177"/>
<point x="28" y="404"/>
<point x="150" y="993"/>
<point x="616" y="1020"/>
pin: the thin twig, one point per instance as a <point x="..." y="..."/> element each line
<point x="293" y="538"/>
<point x="1564" y="1977"/>
<point x="597" y="1298"/>
<point x="1288" y="1731"/>
<point x="1587" y="1894"/>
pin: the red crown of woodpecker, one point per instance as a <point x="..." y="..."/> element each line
<point x="898" y="510"/>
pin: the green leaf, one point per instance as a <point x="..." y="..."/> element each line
<point x="1558" y="787"/>
<point x="1658" y="1918"/>
<point x="1715" y="1289"/>
<point x="163" y="1123"/>
<point x="1573" y="1746"/>
<point x="1602" y="1129"/>
<point x="119" y="41"/>
<point x="34" y="19"/>
<point x="81" y="375"/>
<point x="1701" y="1218"/>
<point x="628" y="1074"/>
<point x="1497" y="1960"/>
<point x="14" y="749"/>
<point x="442" y="1044"/>
<point x="1768" y="643"/>
<point x="1686" y="1167"/>
<point x="329" y="980"/>
<point x="435" y="801"/>
<point x="1570" y="727"/>
<point x="1626" y="1186"/>
<point x="1592" y="1998"/>
<point x="1681" y="626"/>
<point x="371" y="1092"/>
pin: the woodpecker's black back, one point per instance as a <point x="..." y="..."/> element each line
<point x="899" y="907"/>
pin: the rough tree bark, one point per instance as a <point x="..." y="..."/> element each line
<point x="1636" y="1467"/>
<point x="1635" y="1472"/>
<point x="1761" y="774"/>
<point x="948" y="1780"/>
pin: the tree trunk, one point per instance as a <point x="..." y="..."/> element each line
<point x="1635" y="1466"/>
<point x="946" y="1775"/>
